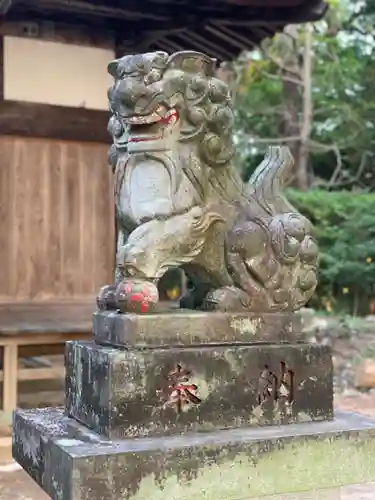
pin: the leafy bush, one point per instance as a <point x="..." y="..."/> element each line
<point x="345" y="229"/>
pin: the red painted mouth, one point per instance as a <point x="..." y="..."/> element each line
<point x="144" y="139"/>
<point x="143" y="132"/>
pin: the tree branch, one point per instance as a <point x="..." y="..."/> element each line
<point x="274" y="140"/>
<point x="336" y="181"/>
<point x="279" y="77"/>
<point x="280" y="64"/>
<point x="338" y="169"/>
<point x="348" y="24"/>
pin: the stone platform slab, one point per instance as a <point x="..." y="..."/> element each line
<point x="71" y="463"/>
<point x="144" y="392"/>
<point x="182" y="327"/>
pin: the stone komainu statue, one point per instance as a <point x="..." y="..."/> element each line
<point x="180" y="201"/>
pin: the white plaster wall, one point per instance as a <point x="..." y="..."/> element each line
<point x="56" y="73"/>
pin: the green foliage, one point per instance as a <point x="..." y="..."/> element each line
<point x="343" y="94"/>
<point x="271" y="106"/>
<point x="344" y="105"/>
<point x="345" y="230"/>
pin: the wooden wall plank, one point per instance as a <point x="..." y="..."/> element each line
<point x="6" y="206"/>
<point x="104" y="237"/>
<point x="87" y="195"/>
<point x="54" y="207"/>
<point x="71" y="221"/>
<point x="57" y="216"/>
<point x="53" y="122"/>
<point x="1" y="68"/>
<point x="35" y="220"/>
<point x="21" y="205"/>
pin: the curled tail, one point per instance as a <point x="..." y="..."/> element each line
<point x="290" y="241"/>
<point x="266" y="184"/>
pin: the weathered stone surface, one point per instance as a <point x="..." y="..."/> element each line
<point x="194" y="328"/>
<point x="139" y="392"/>
<point x="71" y="463"/>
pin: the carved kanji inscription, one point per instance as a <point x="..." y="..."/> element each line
<point x="182" y="393"/>
<point x="275" y="386"/>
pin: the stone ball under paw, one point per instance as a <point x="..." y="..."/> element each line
<point x="137" y="296"/>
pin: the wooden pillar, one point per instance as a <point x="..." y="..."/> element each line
<point x="10" y="369"/>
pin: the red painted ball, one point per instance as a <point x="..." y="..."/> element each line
<point x="136" y="295"/>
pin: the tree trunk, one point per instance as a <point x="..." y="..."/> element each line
<point x="297" y="116"/>
<point x="304" y="153"/>
<point x="290" y="122"/>
<point x="290" y="126"/>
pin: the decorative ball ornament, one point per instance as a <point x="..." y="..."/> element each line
<point x="137" y="296"/>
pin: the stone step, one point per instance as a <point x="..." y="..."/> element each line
<point x="72" y="463"/>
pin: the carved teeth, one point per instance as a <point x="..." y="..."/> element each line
<point x="159" y="114"/>
<point x="143" y="120"/>
<point x="152" y="127"/>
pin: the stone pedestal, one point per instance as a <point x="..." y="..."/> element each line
<point x="193" y="405"/>
<point x="129" y="393"/>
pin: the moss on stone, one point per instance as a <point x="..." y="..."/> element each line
<point x="305" y="466"/>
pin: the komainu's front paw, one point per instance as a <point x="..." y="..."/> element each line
<point x="106" y="298"/>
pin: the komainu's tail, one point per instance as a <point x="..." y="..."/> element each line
<point x="267" y="182"/>
<point x="291" y="243"/>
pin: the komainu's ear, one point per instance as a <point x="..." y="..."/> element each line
<point x="112" y="68"/>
